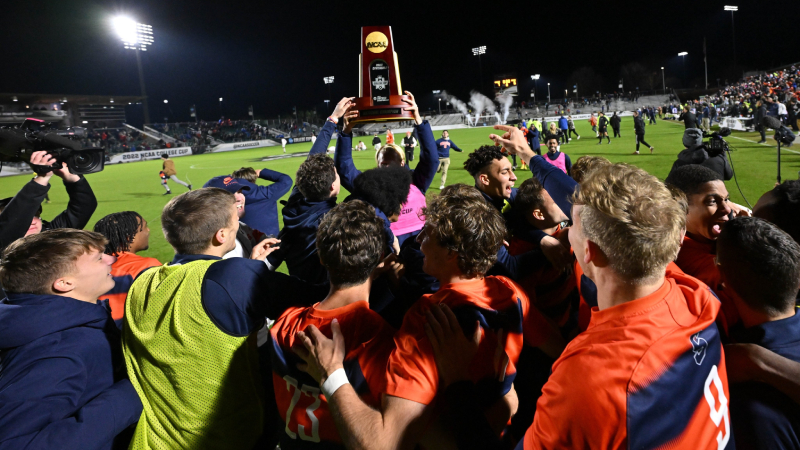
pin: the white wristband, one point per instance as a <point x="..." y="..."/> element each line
<point x="336" y="380"/>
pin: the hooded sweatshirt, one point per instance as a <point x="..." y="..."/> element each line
<point x="62" y="380"/>
<point x="695" y="153"/>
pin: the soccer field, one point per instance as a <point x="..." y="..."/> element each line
<point x="136" y="186"/>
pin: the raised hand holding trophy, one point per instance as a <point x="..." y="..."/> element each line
<point x="380" y="97"/>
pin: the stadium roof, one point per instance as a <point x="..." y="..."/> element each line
<point x="70" y="98"/>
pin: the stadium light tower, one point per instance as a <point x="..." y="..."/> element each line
<point x="663" y="80"/>
<point x="137" y="37"/>
<point x="535" y="79"/>
<point x="683" y="54"/>
<point x="478" y="51"/>
<point x="733" y="30"/>
<point x="329" y="82"/>
<point x="548" y="92"/>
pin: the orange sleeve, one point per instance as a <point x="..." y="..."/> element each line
<point x="535" y="327"/>
<point x="374" y="357"/>
<point x="411" y="371"/>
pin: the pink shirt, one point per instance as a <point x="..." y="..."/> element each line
<point x="409" y="220"/>
<point x="560" y="162"/>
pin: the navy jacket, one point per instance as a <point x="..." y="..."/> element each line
<point x="421" y="176"/>
<point x="443" y="146"/>
<point x="301" y="219"/>
<point x="261" y="202"/>
<point x="62" y="376"/>
<point x="563" y="123"/>
<point x="761" y="416"/>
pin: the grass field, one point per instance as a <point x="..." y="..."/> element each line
<point x="136" y="186"/>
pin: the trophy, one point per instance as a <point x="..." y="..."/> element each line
<point x="379" y="88"/>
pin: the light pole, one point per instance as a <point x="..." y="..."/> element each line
<point x="663" y="81"/>
<point x="220" y="107"/>
<point x="327" y="103"/>
<point x="683" y="54"/>
<point x="733" y="30"/>
<point x="535" y="79"/>
<point x="478" y="51"/>
<point x="328" y="82"/>
<point x="548" y="92"/>
<point x="135" y="36"/>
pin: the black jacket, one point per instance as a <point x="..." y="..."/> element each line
<point x="17" y="216"/>
<point x="638" y="125"/>
<point x="761" y="112"/>
<point x="615" y="121"/>
<point x="699" y="156"/>
<point x="689" y="119"/>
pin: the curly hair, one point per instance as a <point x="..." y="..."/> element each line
<point x="462" y="221"/>
<point x="633" y="218"/>
<point x="691" y="177"/>
<point x="482" y="157"/>
<point x="586" y="164"/>
<point x="246" y="173"/>
<point x="530" y="196"/>
<point x="385" y="188"/>
<point x="350" y="242"/>
<point x="120" y="229"/>
<point x="315" y="176"/>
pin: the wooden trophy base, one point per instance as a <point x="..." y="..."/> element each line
<point x="393" y="112"/>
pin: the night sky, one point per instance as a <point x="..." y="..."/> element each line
<point x="274" y="55"/>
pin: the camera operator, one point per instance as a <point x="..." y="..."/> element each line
<point x="697" y="152"/>
<point x="21" y="215"/>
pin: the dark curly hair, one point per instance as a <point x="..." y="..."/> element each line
<point x="530" y="196"/>
<point x="350" y="241"/>
<point x="462" y="221"/>
<point x="120" y="229"/>
<point x="385" y="188"/>
<point x="482" y="157"/>
<point x="315" y="176"/>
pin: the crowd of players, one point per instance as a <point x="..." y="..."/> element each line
<point x="594" y="306"/>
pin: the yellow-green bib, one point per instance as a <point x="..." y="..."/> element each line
<point x="200" y="387"/>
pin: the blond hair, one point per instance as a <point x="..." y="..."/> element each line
<point x="388" y="147"/>
<point x="633" y="218"/>
<point x="586" y="164"/>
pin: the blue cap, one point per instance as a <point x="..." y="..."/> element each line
<point x="228" y="183"/>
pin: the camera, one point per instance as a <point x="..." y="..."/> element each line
<point x="17" y="145"/>
<point x="716" y="145"/>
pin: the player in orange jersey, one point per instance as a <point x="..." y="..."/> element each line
<point x="460" y="241"/>
<point x="127" y="233"/>
<point x="349" y="242"/>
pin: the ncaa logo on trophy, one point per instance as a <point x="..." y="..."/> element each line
<point x="379" y="89"/>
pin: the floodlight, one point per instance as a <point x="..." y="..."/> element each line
<point x="731" y="8"/>
<point x="328" y="80"/>
<point x="535" y="77"/>
<point x="220" y="99"/>
<point x="14" y="98"/>
<point x="166" y="101"/>
<point x="85" y="121"/>
<point x="112" y="100"/>
<point x="134" y="36"/>
<point x="437" y="91"/>
<point x="683" y="53"/>
<point x="479" y="50"/>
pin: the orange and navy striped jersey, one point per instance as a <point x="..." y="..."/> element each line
<point x="301" y="404"/>
<point x="588" y="292"/>
<point x="125" y="269"/>
<point x="553" y="290"/>
<point x="646" y="374"/>
<point x="497" y="303"/>
<point x="698" y="260"/>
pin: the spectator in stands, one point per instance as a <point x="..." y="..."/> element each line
<point x="760" y="264"/>
<point x="261" y="202"/>
<point x="169" y="172"/>
<point x="190" y="325"/>
<point x="61" y="382"/>
<point x="127" y="234"/>
<point x="21" y="215"/>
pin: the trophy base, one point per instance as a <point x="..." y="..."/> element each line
<point x="393" y="112"/>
